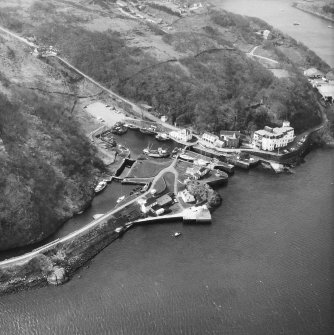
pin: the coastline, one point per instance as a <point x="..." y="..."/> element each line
<point x="310" y="11"/>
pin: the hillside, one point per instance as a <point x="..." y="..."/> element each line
<point x="194" y="64"/>
<point x="48" y="167"/>
<point x="192" y="67"/>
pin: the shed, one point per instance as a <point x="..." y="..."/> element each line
<point x="165" y="200"/>
<point x="313" y="73"/>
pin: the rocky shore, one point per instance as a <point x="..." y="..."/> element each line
<point x="314" y="8"/>
<point x="59" y="262"/>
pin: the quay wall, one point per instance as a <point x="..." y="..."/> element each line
<point x="70" y="255"/>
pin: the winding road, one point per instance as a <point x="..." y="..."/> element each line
<point x="251" y="53"/>
<point x="136" y="109"/>
<point x="94" y="223"/>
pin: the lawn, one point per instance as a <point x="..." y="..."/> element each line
<point x="148" y="168"/>
<point x="169" y="180"/>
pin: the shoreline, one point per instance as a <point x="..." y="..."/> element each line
<point x="310" y="11"/>
<point x="71" y="253"/>
<point x="57" y="261"/>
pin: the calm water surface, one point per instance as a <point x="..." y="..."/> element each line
<point x="265" y="266"/>
<point x="312" y="31"/>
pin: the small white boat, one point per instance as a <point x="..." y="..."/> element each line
<point x="186" y="157"/>
<point x="120" y="199"/>
<point x="97" y="216"/>
<point x="177" y="234"/>
<point x="100" y="186"/>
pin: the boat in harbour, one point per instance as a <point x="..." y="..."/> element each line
<point x="186" y="157"/>
<point x="146" y="187"/>
<point x="100" y="186"/>
<point x="148" y="130"/>
<point x="119" y="128"/>
<point x="120" y="199"/>
<point x="156" y="153"/>
<point x="162" y="137"/>
<point x="131" y="126"/>
<point x="97" y="216"/>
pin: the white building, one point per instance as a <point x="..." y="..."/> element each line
<point x="271" y="138"/>
<point x="196" y="172"/>
<point x="164" y="118"/>
<point x="264" y="33"/>
<point x="210" y="140"/>
<point x="184" y="135"/>
<point x="186" y="196"/>
<point x="327" y="92"/>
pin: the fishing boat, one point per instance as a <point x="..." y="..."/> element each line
<point x="148" y="131"/>
<point x="186" y="157"/>
<point x="100" y="186"/>
<point x="131" y="126"/>
<point x="296" y="23"/>
<point x="119" y="129"/>
<point x="97" y="216"/>
<point x="177" y="234"/>
<point x="119" y="230"/>
<point x="120" y="199"/>
<point x="162" y="137"/>
<point x="156" y="153"/>
<point x="146" y="187"/>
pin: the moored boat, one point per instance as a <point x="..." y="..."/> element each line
<point x="131" y="126"/>
<point x="97" y="216"/>
<point x="119" y="128"/>
<point x="120" y="199"/>
<point x="162" y="137"/>
<point x="186" y="157"/>
<point x="148" y="131"/>
<point x="100" y="186"/>
<point x="158" y="153"/>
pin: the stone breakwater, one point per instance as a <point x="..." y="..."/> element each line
<point x="58" y="262"/>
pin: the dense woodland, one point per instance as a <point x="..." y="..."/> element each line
<point x="209" y="90"/>
<point x="47" y="168"/>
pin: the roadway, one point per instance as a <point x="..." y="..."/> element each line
<point x="251" y="53"/>
<point x="90" y="225"/>
<point x="136" y="109"/>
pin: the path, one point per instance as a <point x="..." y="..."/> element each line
<point x="135" y="107"/>
<point x="251" y="53"/>
<point x="85" y="228"/>
<point x="21" y="39"/>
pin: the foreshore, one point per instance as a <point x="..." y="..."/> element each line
<point x="56" y="261"/>
<point x="303" y="7"/>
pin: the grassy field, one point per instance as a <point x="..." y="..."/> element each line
<point x="148" y="168"/>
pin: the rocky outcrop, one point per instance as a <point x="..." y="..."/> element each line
<point x="57" y="276"/>
<point x="204" y="193"/>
